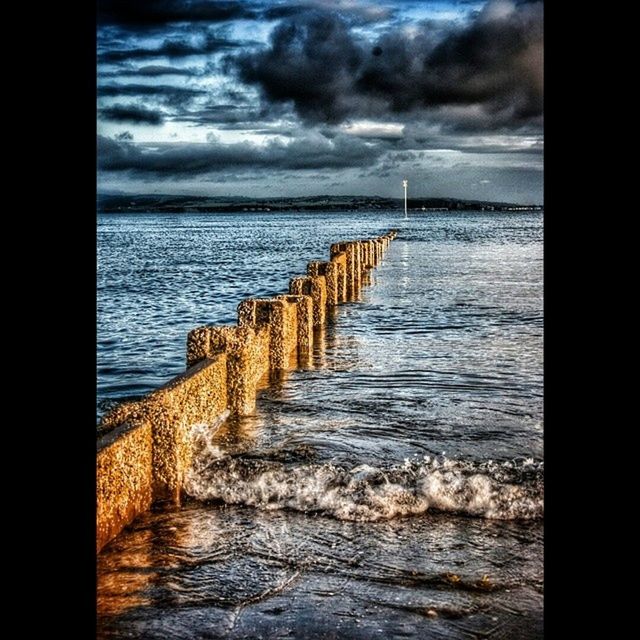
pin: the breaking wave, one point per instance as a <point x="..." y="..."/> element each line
<point x="499" y="490"/>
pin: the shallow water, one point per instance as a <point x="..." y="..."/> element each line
<point x="234" y="572"/>
<point x="391" y="488"/>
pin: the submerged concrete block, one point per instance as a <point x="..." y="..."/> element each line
<point x="280" y="316"/>
<point x="352" y="275"/>
<point x="367" y="262"/>
<point x="316" y="287"/>
<point x="244" y="366"/>
<point x="339" y="259"/>
<point x="304" y="304"/>
<point x="330" y="271"/>
<point x="247" y="352"/>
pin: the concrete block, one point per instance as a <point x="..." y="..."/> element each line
<point x="195" y="397"/>
<point x="330" y="271"/>
<point x="281" y="318"/>
<point x="316" y="287"/>
<point x="304" y="304"/>
<point x="124" y="478"/>
<point x="340" y="260"/>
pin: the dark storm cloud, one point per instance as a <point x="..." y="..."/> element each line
<point x="169" y="94"/>
<point x="222" y="114"/>
<point x="172" y="48"/>
<point x="150" y="13"/>
<point x="192" y="159"/>
<point x="448" y="142"/>
<point x="349" y="87"/>
<point x="232" y="114"/>
<point x="154" y="70"/>
<point x="496" y="61"/>
<point x="135" y="114"/>
<point x="284" y="11"/>
<point x="355" y="14"/>
<point x="330" y="74"/>
<point x="313" y="61"/>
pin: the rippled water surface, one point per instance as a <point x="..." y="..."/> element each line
<point x="391" y="488"/>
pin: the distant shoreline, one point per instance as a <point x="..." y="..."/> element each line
<point x="201" y="204"/>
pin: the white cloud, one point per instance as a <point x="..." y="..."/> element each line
<point x="371" y="129"/>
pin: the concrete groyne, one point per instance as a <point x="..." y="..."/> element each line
<point x="144" y="447"/>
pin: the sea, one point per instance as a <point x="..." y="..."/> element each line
<point x="391" y="488"/>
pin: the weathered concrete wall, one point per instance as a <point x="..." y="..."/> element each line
<point x="304" y="316"/>
<point x="144" y="449"/>
<point x="124" y="483"/>
<point x="148" y="462"/>
<point x="372" y="254"/>
<point x="355" y="262"/>
<point x="340" y="260"/>
<point x="352" y="288"/>
<point x="359" y="269"/>
<point x="316" y="288"/>
<point x="195" y="397"/>
<point x="330" y="271"/>
<point x="247" y="362"/>
<point x="366" y="255"/>
<point x="281" y="317"/>
<point x="205" y="342"/>
<point x="198" y="345"/>
<point x="338" y="253"/>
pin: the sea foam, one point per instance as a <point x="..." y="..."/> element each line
<point x="499" y="490"/>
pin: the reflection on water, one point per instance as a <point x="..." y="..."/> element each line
<point x="125" y="580"/>
<point x="424" y="399"/>
<point x="237" y="573"/>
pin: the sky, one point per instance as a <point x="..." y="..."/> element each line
<point x="321" y="97"/>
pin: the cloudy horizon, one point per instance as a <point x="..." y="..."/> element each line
<point x="306" y="97"/>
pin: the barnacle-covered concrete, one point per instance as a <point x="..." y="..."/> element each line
<point x="144" y="447"/>
<point x="124" y="481"/>
<point x="340" y="260"/>
<point x="199" y="396"/>
<point x="316" y="288"/>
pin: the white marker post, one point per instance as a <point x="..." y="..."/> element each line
<point x="404" y="184"/>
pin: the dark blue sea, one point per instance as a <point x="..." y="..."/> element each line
<point x="393" y="488"/>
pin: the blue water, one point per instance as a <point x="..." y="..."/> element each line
<point x="424" y="399"/>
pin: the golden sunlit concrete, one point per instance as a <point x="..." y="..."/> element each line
<point x="144" y="447"/>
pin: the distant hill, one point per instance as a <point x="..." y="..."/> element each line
<point x="118" y="203"/>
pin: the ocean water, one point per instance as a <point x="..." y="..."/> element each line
<point x="393" y="488"/>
